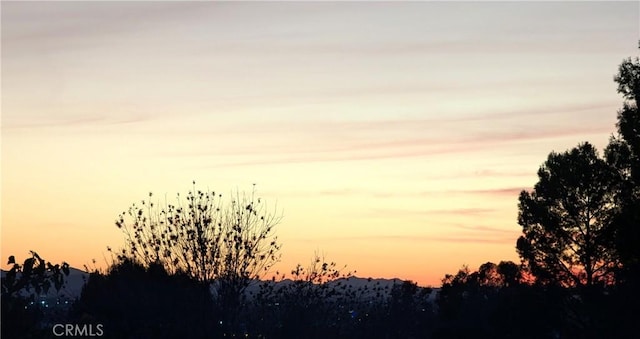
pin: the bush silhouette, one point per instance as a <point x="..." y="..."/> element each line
<point x="133" y="301"/>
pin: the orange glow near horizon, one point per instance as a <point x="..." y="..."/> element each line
<point x="393" y="137"/>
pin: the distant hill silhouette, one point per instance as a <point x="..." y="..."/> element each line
<point x="77" y="279"/>
<point x="71" y="289"/>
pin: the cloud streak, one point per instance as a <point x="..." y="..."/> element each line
<point x="499" y="192"/>
<point x="311" y="152"/>
<point x="88" y="120"/>
<point x="461" y="211"/>
<point x="63" y="25"/>
<point x="483" y="229"/>
<point x="374" y="127"/>
<point x="460" y="239"/>
<point x="510" y="192"/>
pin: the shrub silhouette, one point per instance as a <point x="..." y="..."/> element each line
<point x="319" y="301"/>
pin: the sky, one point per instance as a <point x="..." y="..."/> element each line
<point x="393" y="137"/>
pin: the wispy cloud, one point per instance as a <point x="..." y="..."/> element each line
<point x="503" y="239"/>
<point x="309" y="151"/>
<point x="482" y="228"/>
<point x="524" y="113"/>
<point x="508" y="192"/>
<point x="439" y="119"/>
<point x="63" y="25"/>
<point x="348" y="191"/>
<point x="496" y="192"/>
<point x="87" y="120"/>
<point x="395" y="212"/>
<point x="462" y="211"/>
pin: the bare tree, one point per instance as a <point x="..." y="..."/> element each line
<point x="230" y="243"/>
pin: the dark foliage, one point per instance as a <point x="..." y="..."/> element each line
<point x="133" y="301"/>
<point x="566" y="220"/>
<point x="322" y="302"/>
<point x="623" y="153"/>
<point x="21" y="286"/>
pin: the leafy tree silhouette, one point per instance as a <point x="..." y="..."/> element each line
<point x="623" y="153"/>
<point x="569" y="234"/>
<point x="21" y="285"/>
<point x="510" y="273"/>
<point x="566" y="220"/>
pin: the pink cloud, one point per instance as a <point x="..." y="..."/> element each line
<point x="366" y="140"/>
<point x="498" y="192"/>
<point x="391" y="213"/>
<point x="403" y="148"/>
<point x="507" y="192"/>
<point x="486" y="229"/>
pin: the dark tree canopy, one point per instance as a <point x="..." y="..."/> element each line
<point x="625" y="146"/>
<point x="510" y="272"/>
<point x="628" y="78"/>
<point x="623" y="153"/>
<point x="581" y="224"/>
<point x="566" y="220"/>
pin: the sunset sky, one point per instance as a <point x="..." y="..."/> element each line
<point x="394" y="137"/>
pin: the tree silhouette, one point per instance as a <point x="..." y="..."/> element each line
<point x="580" y="247"/>
<point x="20" y="287"/>
<point x="566" y="220"/>
<point x="228" y="244"/>
<point x="623" y="153"/>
